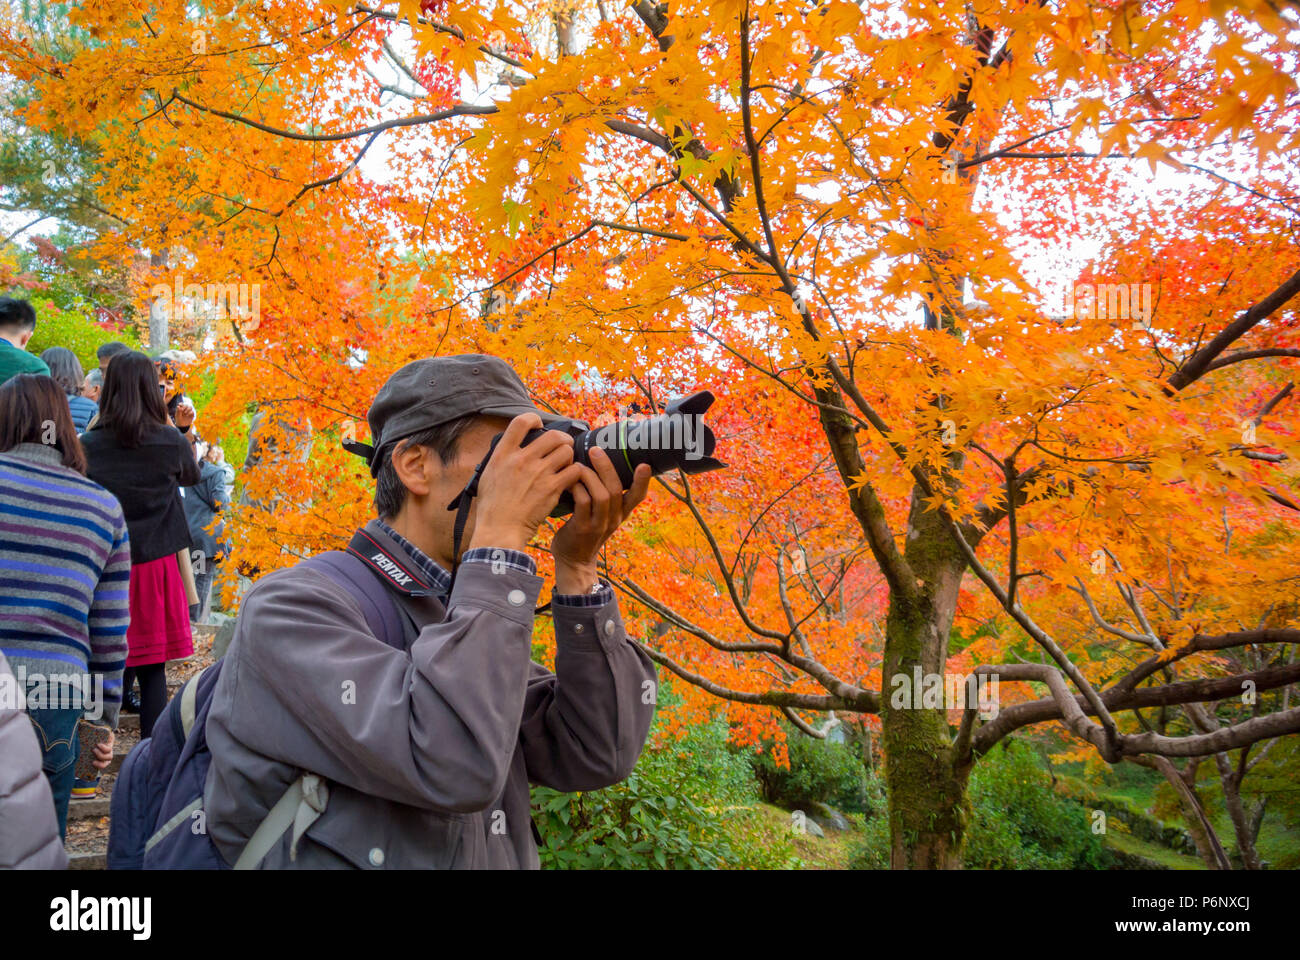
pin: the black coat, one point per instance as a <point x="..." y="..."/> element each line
<point x="146" y="480"/>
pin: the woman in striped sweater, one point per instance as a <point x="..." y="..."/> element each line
<point x="65" y="563"/>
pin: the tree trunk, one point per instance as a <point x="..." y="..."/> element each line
<point x="927" y="792"/>
<point x="564" y="23"/>
<point x="159" y="325"/>
<point x="1241" y="824"/>
<point x="1198" y="823"/>
<point x="1205" y="721"/>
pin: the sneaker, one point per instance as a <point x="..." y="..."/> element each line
<point x="85" y="789"/>
<point x="131" y="702"/>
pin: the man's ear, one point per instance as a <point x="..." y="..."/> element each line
<point x="413" y="465"/>
<point x="23" y="337"/>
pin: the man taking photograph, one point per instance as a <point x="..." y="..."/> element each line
<point x="422" y="757"/>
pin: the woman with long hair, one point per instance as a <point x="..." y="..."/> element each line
<point x="66" y="370"/>
<point x="134" y="451"/>
<point x="65" y="561"/>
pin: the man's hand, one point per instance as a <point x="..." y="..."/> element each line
<point x="184" y="414"/>
<point x="600" y="507"/>
<point x="521" y="485"/>
<point x="104" y="753"/>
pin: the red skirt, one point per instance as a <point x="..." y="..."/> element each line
<point x="160" y="614"/>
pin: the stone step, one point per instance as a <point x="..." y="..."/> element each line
<point x="91" y="860"/>
<point x="128" y="722"/>
<point x="90" y="809"/>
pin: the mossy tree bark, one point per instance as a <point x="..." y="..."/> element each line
<point x="927" y="787"/>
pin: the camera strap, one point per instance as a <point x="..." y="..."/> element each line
<point x="464" y="500"/>
<point x="461" y="505"/>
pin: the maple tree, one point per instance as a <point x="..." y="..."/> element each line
<point x="852" y="222"/>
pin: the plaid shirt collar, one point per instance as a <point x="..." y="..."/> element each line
<point x="439" y="579"/>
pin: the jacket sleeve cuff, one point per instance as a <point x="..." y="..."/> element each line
<point x="506" y="591"/>
<point x="601" y="594"/>
<point x="588" y="625"/>
<point x="500" y="557"/>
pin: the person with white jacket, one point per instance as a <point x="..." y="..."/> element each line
<point x="29" y="831"/>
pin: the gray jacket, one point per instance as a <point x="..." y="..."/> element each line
<point x="29" y="830"/>
<point x="202" y="503"/>
<point x="428" y="753"/>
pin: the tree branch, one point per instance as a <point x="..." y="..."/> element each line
<point x="1199" y="362"/>
<point x="1012" y="718"/>
<point x="460" y="110"/>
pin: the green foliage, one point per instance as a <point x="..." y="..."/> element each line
<point x="819" y="771"/>
<point x="234" y="444"/>
<point x="632" y="825"/>
<point x="201" y="388"/>
<point x="1017" y="821"/>
<point x="74" y="329"/>
<point x="756" y="842"/>
<point x="686" y="806"/>
<point x="51" y="173"/>
<point x="1276" y="783"/>
<point x="1127" y="812"/>
<point x="872" y="852"/>
<point x="69" y="274"/>
<point x="653" y="820"/>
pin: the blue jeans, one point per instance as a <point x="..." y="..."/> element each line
<point x="203" y="587"/>
<point x="56" y="731"/>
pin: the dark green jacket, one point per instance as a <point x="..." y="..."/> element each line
<point x="14" y="361"/>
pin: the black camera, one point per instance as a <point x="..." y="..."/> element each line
<point x="676" y="439"/>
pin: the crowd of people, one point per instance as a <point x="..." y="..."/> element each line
<point x="110" y="505"/>
<point x="376" y="706"/>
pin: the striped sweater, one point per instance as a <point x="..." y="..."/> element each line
<point x="65" y="567"/>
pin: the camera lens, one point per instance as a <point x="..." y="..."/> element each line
<point x="676" y="439"/>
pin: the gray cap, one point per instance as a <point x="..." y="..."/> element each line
<point x="428" y="393"/>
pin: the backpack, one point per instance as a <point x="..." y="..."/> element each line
<point x="157" y="817"/>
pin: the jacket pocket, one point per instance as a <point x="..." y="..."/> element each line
<point x="370" y="833"/>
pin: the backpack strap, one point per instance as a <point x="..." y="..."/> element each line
<point x="371" y="594"/>
<point x="305" y="799"/>
<point x="189" y="694"/>
<point x="298" y="807"/>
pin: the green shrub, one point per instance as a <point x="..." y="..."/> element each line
<point x="819" y="771"/>
<point x="756" y="841"/>
<point x="1016" y="822"/>
<point x="672" y="813"/>
<point x="872" y="851"/>
<point x="632" y="825"/>
<point x="75" y="330"/>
